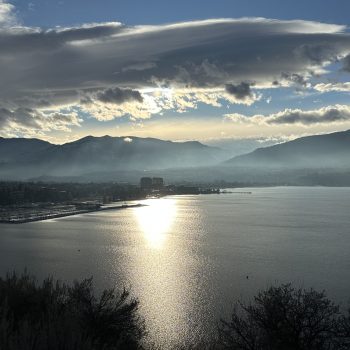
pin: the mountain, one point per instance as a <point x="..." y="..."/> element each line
<point x="319" y="151"/>
<point x="313" y="160"/>
<point x="25" y="158"/>
<point x="18" y="150"/>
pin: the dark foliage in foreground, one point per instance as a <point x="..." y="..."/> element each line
<point x="284" y="318"/>
<point x="55" y="316"/>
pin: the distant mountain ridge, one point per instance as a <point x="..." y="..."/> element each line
<point x="92" y="154"/>
<point x="20" y="149"/>
<point x="313" y="160"/>
<point x="318" y="151"/>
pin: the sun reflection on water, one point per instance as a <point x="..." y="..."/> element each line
<point x="156" y="219"/>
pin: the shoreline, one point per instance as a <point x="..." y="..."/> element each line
<point x="61" y="215"/>
<point x="223" y="190"/>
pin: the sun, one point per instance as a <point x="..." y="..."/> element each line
<point x="156" y="220"/>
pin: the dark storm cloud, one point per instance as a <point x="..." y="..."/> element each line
<point x="34" y="40"/>
<point x="240" y="91"/>
<point x="317" y="53"/>
<point x="119" y="96"/>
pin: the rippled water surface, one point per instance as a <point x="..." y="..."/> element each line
<point x="188" y="258"/>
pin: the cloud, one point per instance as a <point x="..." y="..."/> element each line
<point x="35" y="41"/>
<point x="325" y="115"/>
<point x="330" y="114"/>
<point x="193" y="54"/>
<point x="105" y="111"/>
<point x="346" y="63"/>
<point x="27" y="122"/>
<point x="241" y="93"/>
<point x="327" y="87"/>
<point x="7" y="14"/>
<point x="119" y="96"/>
<point x="111" y="69"/>
<point x="295" y="78"/>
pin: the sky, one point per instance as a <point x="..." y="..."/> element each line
<point x="213" y="71"/>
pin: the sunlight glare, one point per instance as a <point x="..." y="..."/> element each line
<point x="155" y="220"/>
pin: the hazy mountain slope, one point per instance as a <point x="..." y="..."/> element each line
<point x="314" y="160"/>
<point x="319" y="151"/>
<point x="94" y="154"/>
<point x="18" y="149"/>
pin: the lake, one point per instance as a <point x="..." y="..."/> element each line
<point x="189" y="258"/>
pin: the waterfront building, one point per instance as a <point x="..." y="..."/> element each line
<point x="157" y="183"/>
<point x="146" y="183"/>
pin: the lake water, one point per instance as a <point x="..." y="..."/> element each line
<point x="187" y="258"/>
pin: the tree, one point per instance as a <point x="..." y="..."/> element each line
<point x="56" y="316"/>
<point x="285" y="318"/>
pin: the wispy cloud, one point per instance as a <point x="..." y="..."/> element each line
<point x="338" y="87"/>
<point x="324" y="115"/>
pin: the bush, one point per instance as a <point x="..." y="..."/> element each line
<point x="55" y="316"/>
<point x="284" y="318"/>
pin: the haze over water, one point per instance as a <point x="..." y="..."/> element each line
<point x="189" y="258"/>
